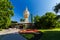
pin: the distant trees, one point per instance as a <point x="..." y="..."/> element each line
<point x="37" y="21"/>
<point x="57" y="8"/>
<point x="46" y="21"/>
<point x="14" y="22"/>
<point x="6" y="12"/>
<point x="22" y="20"/>
<point x="49" y="20"/>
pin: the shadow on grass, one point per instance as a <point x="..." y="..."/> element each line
<point x="51" y="35"/>
<point x="37" y="36"/>
<point x="48" y="35"/>
<point x="33" y="36"/>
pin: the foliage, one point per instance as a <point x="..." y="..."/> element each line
<point x="57" y="8"/>
<point x="37" y="20"/>
<point x="58" y="24"/>
<point x="49" y="20"/>
<point x="6" y="12"/>
<point x="13" y="21"/>
<point x="22" y="20"/>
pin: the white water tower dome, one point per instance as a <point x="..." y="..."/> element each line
<point x="26" y="13"/>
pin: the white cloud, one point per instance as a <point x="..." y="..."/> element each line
<point x="58" y="13"/>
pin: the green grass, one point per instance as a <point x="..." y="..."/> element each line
<point x="48" y="34"/>
<point x="44" y="30"/>
<point x="51" y="35"/>
<point x="0" y="29"/>
<point x="28" y="36"/>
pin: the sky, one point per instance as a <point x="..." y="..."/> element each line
<point x="35" y="7"/>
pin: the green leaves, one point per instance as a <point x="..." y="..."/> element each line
<point x="46" y="21"/>
<point x="6" y="12"/>
<point x="22" y="20"/>
<point x="37" y="18"/>
<point x="57" y="8"/>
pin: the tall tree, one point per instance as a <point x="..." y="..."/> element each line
<point x="37" y="21"/>
<point x="48" y="20"/>
<point x="57" y="8"/>
<point x="6" y="12"/>
<point x="36" y="18"/>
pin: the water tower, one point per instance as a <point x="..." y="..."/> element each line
<point x="26" y="15"/>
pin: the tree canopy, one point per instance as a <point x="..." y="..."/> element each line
<point x="6" y="12"/>
<point x="57" y="8"/>
<point x="46" y="21"/>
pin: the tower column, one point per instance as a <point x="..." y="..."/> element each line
<point x="26" y="15"/>
<point x="26" y="20"/>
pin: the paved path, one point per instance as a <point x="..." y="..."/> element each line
<point x="11" y="34"/>
<point x="8" y="31"/>
<point x="12" y="37"/>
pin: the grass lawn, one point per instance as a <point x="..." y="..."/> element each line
<point x="28" y="36"/>
<point x="51" y="35"/>
<point x="48" y="34"/>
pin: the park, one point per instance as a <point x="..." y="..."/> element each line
<point x="28" y="20"/>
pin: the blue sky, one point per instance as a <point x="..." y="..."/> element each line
<point x="35" y="7"/>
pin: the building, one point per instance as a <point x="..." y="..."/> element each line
<point x="26" y="15"/>
<point x="24" y="24"/>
